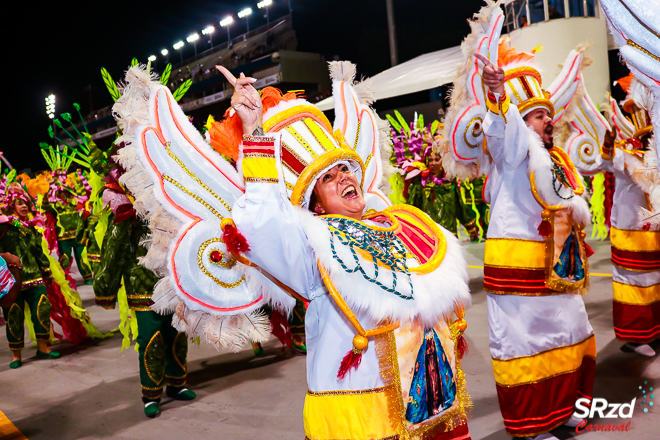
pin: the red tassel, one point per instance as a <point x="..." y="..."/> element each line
<point x="280" y="328"/>
<point x="350" y="362"/>
<point x="462" y="347"/>
<point x="545" y="229"/>
<point x="588" y="250"/>
<point x="646" y="226"/>
<point x="234" y="240"/>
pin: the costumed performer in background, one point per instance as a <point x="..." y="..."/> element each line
<point x="68" y="208"/>
<point x="163" y="351"/>
<point x="635" y="243"/>
<point x="425" y="184"/>
<point x="500" y="123"/>
<point x="19" y="237"/>
<point x="535" y="259"/>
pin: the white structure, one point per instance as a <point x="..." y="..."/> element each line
<point x="558" y="37"/>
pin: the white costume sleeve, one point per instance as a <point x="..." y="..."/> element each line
<point x="506" y="138"/>
<point x="266" y="218"/>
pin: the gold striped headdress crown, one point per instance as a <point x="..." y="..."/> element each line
<point x="309" y="147"/>
<point x="522" y="80"/>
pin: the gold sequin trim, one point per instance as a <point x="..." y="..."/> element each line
<point x="293" y="153"/>
<point x="366" y="163"/>
<point x="318" y="141"/>
<point x="347" y="392"/>
<point x="146" y="365"/>
<point x="194" y="196"/>
<point x="259" y="139"/>
<point x="27" y="284"/>
<point x="640" y="48"/>
<point x="262" y="179"/>
<point x="167" y="376"/>
<point x="226" y="264"/>
<point x="259" y="155"/>
<point x="20" y="310"/>
<point x="203" y="268"/>
<point x="195" y="178"/>
<point x="176" y="358"/>
<point x="357" y="137"/>
<point x="297" y="136"/>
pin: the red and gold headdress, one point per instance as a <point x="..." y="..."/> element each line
<point x="522" y="79"/>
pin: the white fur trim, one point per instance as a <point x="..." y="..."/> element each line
<point x="435" y="294"/>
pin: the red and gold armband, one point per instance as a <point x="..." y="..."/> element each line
<point x="259" y="164"/>
<point x="498" y="106"/>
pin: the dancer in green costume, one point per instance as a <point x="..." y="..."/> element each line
<point x="64" y="203"/>
<point x="19" y="237"/>
<point x="163" y="351"/>
<point x="425" y="185"/>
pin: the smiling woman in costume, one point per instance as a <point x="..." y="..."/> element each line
<point x="302" y="214"/>
<point x="377" y="272"/>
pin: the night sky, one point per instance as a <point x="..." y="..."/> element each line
<point x="63" y="45"/>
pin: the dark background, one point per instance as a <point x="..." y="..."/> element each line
<point x="60" y="47"/>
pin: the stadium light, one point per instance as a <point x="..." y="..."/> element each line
<point x="208" y="30"/>
<point x="193" y="39"/>
<point x="164" y="52"/>
<point x="245" y="13"/>
<point x="225" y="22"/>
<point x="152" y="58"/>
<point x="50" y="106"/>
<point x="265" y="4"/>
<point x="178" y="45"/>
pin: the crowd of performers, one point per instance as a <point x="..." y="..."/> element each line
<point x="340" y="238"/>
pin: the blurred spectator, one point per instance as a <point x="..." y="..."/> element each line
<point x="553" y="13"/>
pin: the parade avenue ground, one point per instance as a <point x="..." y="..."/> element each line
<point x="93" y="390"/>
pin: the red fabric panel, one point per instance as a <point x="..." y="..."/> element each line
<point x="461" y="432"/>
<point x="636" y="260"/>
<point x="291" y="160"/>
<point x="259" y="150"/>
<point x="412" y="235"/>
<point x="526" y="281"/>
<point x="634" y="323"/>
<point x="540" y="407"/>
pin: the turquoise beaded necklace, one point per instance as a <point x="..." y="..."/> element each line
<point x="383" y="246"/>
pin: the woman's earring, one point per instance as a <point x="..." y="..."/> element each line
<point x="318" y="210"/>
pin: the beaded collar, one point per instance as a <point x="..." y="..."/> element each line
<point x="380" y="243"/>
